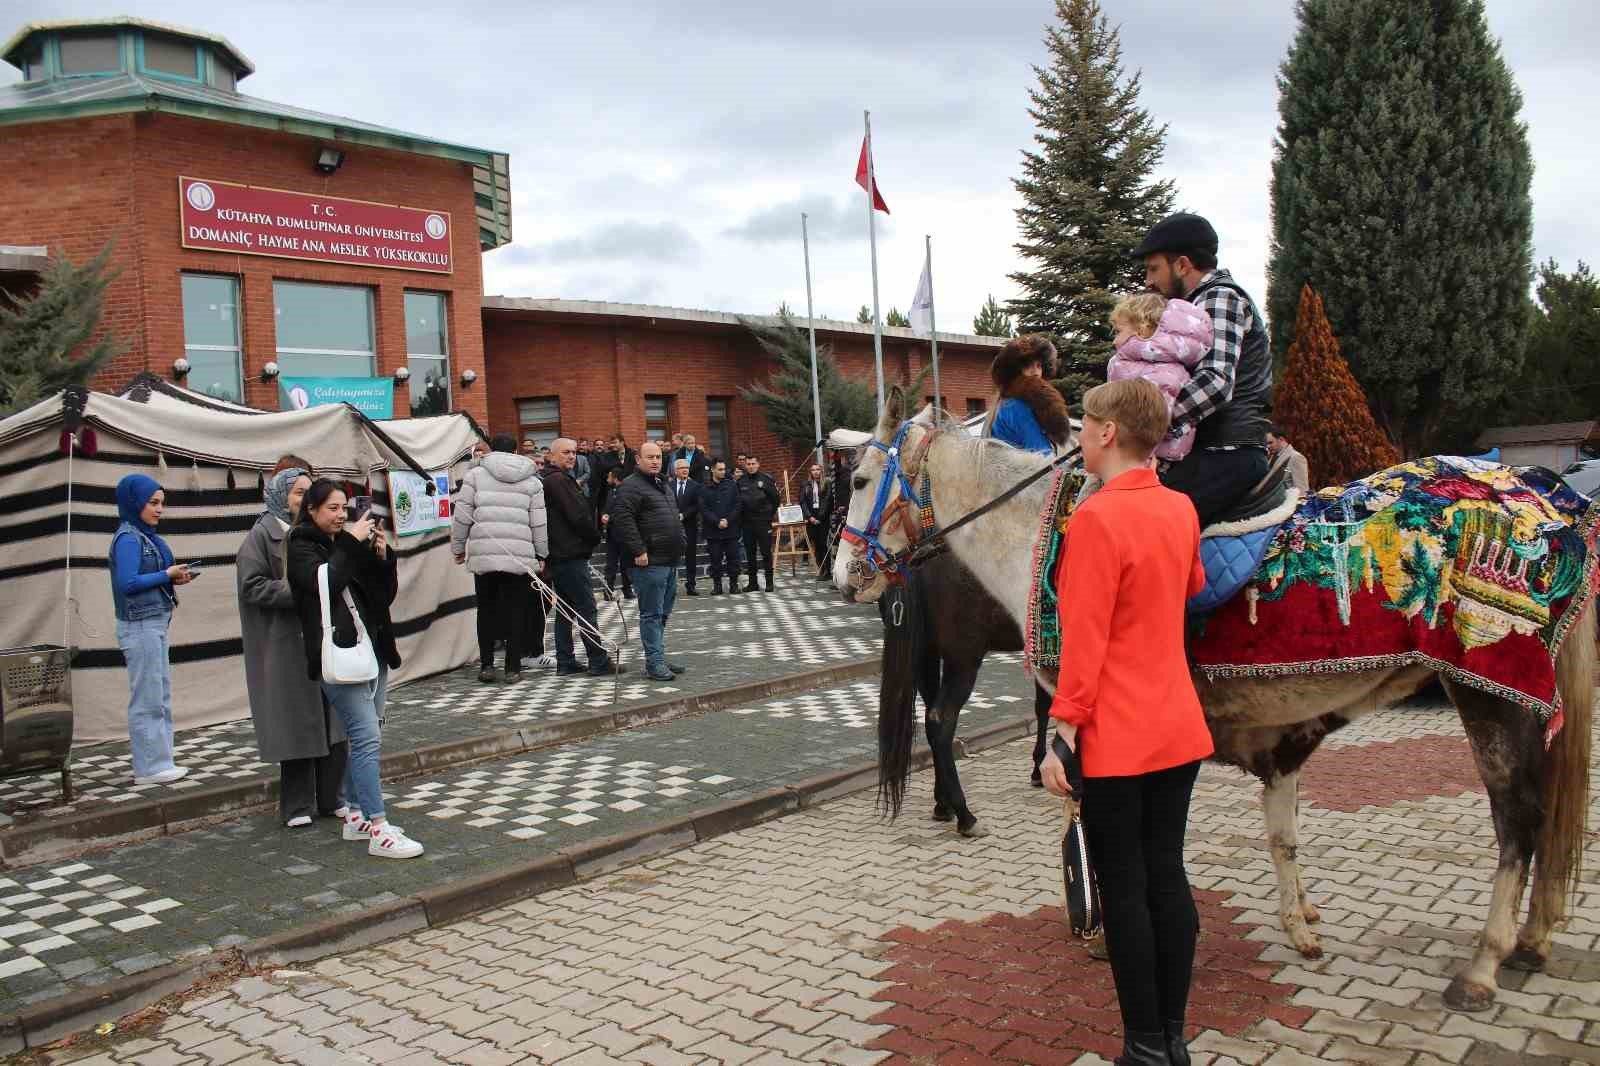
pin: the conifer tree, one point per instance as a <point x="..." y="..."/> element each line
<point x="785" y="397"/>
<point x="895" y="318"/>
<point x="1320" y="407"/>
<point x="1561" y="381"/>
<point x="992" y="321"/>
<point x="1400" y="189"/>
<point x="44" y="336"/>
<point x="864" y="316"/>
<point x="1087" y="191"/>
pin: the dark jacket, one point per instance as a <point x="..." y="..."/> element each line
<point x="1241" y="421"/>
<point x="699" y="464"/>
<point x="644" y="519"/>
<point x="817" y="509"/>
<point x="570" y="519"/>
<point x="758" y="500"/>
<point x="720" y="500"/>
<point x="372" y="583"/>
<point x="690" y="500"/>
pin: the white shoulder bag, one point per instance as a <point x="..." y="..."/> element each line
<point x="344" y="666"/>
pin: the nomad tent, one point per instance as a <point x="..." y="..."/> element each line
<point x="57" y="503"/>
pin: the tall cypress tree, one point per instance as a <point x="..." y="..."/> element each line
<point x="1087" y="192"/>
<point x="1400" y="190"/>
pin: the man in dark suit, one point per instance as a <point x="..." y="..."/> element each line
<point x="813" y="505"/>
<point x="699" y="461"/>
<point x="688" y="491"/>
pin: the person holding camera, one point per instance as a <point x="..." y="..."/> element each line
<point x="344" y="579"/>
<point x="143" y="577"/>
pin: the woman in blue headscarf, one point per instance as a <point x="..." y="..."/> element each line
<point x="143" y="576"/>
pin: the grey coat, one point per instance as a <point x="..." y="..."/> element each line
<point x="499" y="521"/>
<point x="290" y="718"/>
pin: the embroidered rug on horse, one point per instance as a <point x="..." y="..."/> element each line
<point x="1474" y="569"/>
<point x="1042" y="642"/>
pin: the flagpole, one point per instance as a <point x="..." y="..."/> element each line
<point x="811" y="324"/>
<point x="872" y="239"/>
<point x="933" y="328"/>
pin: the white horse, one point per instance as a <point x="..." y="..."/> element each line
<point x="1270" y="726"/>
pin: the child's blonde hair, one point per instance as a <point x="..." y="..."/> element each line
<point x="1140" y="312"/>
<point x="1137" y="407"/>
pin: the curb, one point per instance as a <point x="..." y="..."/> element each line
<point x="59" y="838"/>
<point x="44" y="1022"/>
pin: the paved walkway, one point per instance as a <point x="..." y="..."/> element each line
<point x="725" y="641"/>
<point x="833" y="936"/>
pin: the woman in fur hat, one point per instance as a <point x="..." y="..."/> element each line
<point x="1030" y="414"/>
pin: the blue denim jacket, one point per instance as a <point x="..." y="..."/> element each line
<point x="146" y="603"/>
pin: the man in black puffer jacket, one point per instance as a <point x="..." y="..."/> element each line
<point x="645" y="521"/>
<point x="758" y="508"/>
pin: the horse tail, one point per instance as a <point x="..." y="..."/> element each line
<point x="904" y="641"/>
<point x="1558" y="858"/>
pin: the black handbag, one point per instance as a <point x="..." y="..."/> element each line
<point x="1079" y="884"/>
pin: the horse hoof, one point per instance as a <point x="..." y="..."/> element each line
<point x="1525" y="959"/>
<point x="1310" y="914"/>
<point x="1310" y="948"/>
<point x="940" y="814"/>
<point x="972" y="830"/>
<point x="1463" y="995"/>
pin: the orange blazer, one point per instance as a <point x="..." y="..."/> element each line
<point x="1132" y="561"/>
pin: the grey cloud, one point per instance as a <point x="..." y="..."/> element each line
<point x="655" y="242"/>
<point x="827" y="219"/>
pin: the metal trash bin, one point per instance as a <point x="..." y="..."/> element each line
<point x="36" y="713"/>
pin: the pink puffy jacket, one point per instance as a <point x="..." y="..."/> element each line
<point x="1164" y="359"/>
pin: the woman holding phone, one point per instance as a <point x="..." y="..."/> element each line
<point x="143" y="577"/>
<point x="361" y="579"/>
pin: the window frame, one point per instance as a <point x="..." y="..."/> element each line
<point x="444" y="342"/>
<point x="527" y="430"/>
<point x="237" y="348"/>
<point x="60" y="66"/>
<point x="976" y="407"/>
<point x="372" y="328"/>
<point x="199" y="77"/>
<point x="715" y="447"/>
<point x="658" y="429"/>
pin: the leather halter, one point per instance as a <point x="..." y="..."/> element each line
<point x="890" y="516"/>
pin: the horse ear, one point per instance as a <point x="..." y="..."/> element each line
<point x="893" y="412"/>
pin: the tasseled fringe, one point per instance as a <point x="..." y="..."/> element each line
<point x="194" y="475"/>
<point x="161" y="465"/>
<point x="231" y="483"/>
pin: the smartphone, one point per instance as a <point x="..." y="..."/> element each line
<point x="358" y="506"/>
<point x="194" y="568"/>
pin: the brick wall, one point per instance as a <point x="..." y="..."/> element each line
<point x="73" y="184"/>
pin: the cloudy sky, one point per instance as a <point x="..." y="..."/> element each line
<point x="662" y="152"/>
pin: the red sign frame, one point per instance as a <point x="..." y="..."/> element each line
<point x="225" y="216"/>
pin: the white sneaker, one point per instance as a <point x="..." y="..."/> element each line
<point x="388" y="842"/>
<point x="546" y="662"/>
<point x="165" y="777"/>
<point x="357" y="827"/>
<point x="299" y="821"/>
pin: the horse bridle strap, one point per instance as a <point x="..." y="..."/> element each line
<point x="887" y="515"/>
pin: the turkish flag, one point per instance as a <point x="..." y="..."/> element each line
<point x="861" y="179"/>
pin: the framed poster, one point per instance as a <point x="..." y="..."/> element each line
<point x="410" y="506"/>
<point x="790" y="514"/>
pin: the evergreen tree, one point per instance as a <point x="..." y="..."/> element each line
<point x="895" y="318"/>
<point x="992" y="321"/>
<point x="44" y="337"/>
<point x="1561" y="380"/>
<point x="1400" y="190"/>
<point x="864" y="316"/>
<point x="1087" y="192"/>
<point x="1320" y="407"/>
<point x="785" y="397"/>
<point x="784" y="310"/>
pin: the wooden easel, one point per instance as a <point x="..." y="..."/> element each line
<point x="793" y="542"/>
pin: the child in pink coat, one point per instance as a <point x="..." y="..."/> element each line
<point x="1160" y="340"/>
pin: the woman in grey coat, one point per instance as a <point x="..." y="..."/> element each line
<point x="293" y="727"/>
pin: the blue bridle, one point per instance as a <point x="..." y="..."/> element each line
<point x="876" y="557"/>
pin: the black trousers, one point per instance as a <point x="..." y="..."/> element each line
<point x="817" y="535"/>
<point x="1135" y="827"/>
<point x="616" y="565"/>
<point x="533" y="631"/>
<point x="722" y="555"/>
<point x="502" y="610"/>
<point x="691" y="555"/>
<point x="1215" y="481"/>
<point x="310" y="787"/>
<point x="758" y="542"/>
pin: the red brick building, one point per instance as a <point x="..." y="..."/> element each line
<point x="114" y="114"/>
<point x="589" y="369"/>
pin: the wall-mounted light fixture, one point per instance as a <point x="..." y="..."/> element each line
<point x="329" y="160"/>
<point x="269" y="372"/>
<point x="180" y="368"/>
<point x="468" y="376"/>
<point x="402" y="373"/>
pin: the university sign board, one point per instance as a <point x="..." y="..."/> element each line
<point x="373" y="397"/>
<point x="222" y="216"/>
<point x="414" y="511"/>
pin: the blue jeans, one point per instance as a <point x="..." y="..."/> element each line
<point x="359" y="707"/>
<point x="144" y="645"/>
<point x="570" y="579"/>
<point x="657" y="588"/>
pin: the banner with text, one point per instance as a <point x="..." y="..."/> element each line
<point x="373" y="397"/>
<point x="413" y="510"/>
<point x="224" y="217"/>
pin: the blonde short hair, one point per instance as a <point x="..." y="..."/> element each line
<point x="1142" y="311"/>
<point x="1136" y="406"/>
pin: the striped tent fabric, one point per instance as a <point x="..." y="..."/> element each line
<point x="211" y="459"/>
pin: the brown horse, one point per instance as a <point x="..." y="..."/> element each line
<point x="1270" y="726"/>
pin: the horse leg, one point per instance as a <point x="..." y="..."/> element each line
<point x="1508" y="747"/>
<point x="957" y="689"/>
<point x="1041" y="712"/>
<point x="942" y="809"/>
<point x="1280" y="804"/>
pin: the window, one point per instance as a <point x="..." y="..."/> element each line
<point x="211" y="335"/>
<point x="976" y="408"/>
<point x="539" y="419"/>
<point x="32" y="60"/>
<point x="324" y="331"/>
<point x="719" y="436"/>
<point x="222" y="76"/>
<point x="657" y="417"/>
<point x="96" y="54"/>
<point x="170" y="55"/>
<point x="428" y="353"/>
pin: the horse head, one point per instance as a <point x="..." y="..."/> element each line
<point x="882" y="524"/>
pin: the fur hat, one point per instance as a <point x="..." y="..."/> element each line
<point x="1020" y="353"/>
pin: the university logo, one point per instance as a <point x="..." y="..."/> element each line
<point x="201" y="198"/>
<point x="433" y="224"/>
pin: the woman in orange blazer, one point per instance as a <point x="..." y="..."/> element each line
<point x="1126" y="709"/>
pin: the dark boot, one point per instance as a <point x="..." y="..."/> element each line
<point x="1177" y="1049"/>
<point x="716" y="588"/>
<point x="1143" y="1049"/>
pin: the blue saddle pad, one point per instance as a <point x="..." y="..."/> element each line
<point x="1230" y="562"/>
